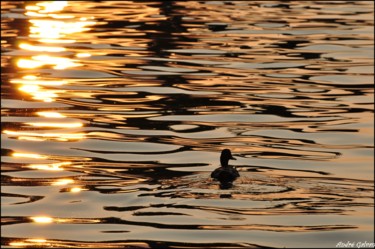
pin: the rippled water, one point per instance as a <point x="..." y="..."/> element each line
<point x="115" y="113"/>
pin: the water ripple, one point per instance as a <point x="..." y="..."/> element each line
<point x="114" y="114"/>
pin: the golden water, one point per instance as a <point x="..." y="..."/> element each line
<point x="115" y="113"/>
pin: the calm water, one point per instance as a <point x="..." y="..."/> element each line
<point x="115" y="113"/>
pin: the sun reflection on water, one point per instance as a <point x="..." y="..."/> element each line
<point x="34" y="86"/>
<point x="39" y="93"/>
<point x="50" y="166"/>
<point x="35" y="136"/>
<point x="129" y="181"/>
<point x="52" y="31"/>
<point x="83" y="55"/>
<point x="48" y="6"/>
<point x="28" y="155"/>
<point x="61" y="182"/>
<point x="76" y="189"/>
<point x="51" y="114"/>
<point x="47" y="29"/>
<point x="29" y="242"/>
<point x="34" y="80"/>
<point x="29" y="47"/>
<point x="42" y="60"/>
<point x="42" y="219"/>
<point x="56" y="125"/>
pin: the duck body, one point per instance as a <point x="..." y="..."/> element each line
<point x="225" y="174"/>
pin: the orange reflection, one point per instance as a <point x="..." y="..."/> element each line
<point x="46" y="219"/>
<point x="51" y="114"/>
<point x="83" y="55"/>
<point x="34" y="80"/>
<point x="42" y="60"/>
<point x="30" y="242"/>
<point x="50" y="166"/>
<point x="23" y="63"/>
<point x="29" y="47"/>
<point x="46" y="28"/>
<point x="56" y="125"/>
<point x="52" y="31"/>
<point x="39" y="93"/>
<point x="49" y="30"/>
<point x="52" y="6"/>
<point x="46" y="7"/>
<point x="37" y="240"/>
<point x="28" y="155"/>
<point x="62" y="182"/>
<point x="32" y="85"/>
<point x="76" y="189"/>
<point x="42" y="219"/>
<point x="34" y="136"/>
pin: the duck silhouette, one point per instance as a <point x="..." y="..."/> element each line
<point x="225" y="174"/>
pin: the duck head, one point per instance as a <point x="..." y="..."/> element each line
<point x="226" y="155"/>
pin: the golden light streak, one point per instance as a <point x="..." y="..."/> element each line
<point x="34" y="14"/>
<point x="76" y="190"/>
<point x="33" y="80"/>
<point x="46" y="220"/>
<point x="18" y="243"/>
<point x="60" y="16"/>
<point x="28" y="155"/>
<point x="46" y="29"/>
<point x="44" y="136"/>
<point x="29" y="88"/>
<point x="45" y="7"/>
<point x="32" y="7"/>
<point x="53" y="31"/>
<point x="46" y="40"/>
<point x="42" y="219"/>
<point x="51" y="114"/>
<point x="41" y="48"/>
<point x="39" y="93"/>
<point x="56" y="125"/>
<point x="44" y="167"/>
<point x="57" y="29"/>
<point x="29" y="77"/>
<point x="83" y="55"/>
<point x="30" y="138"/>
<point x="37" y="240"/>
<point x="49" y="167"/>
<point x="59" y="62"/>
<point x="53" y="6"/>
<point x="62" y="182"/>
<point x="30" y="242"/>
<point x="42" y="60"/>
<point x="25" y="63"/>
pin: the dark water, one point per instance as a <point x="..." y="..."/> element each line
<point x="115" y="113"/>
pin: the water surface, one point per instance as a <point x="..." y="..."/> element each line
<point x="115" y="113"/>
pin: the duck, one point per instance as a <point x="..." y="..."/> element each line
<point x="225" y="174"/>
